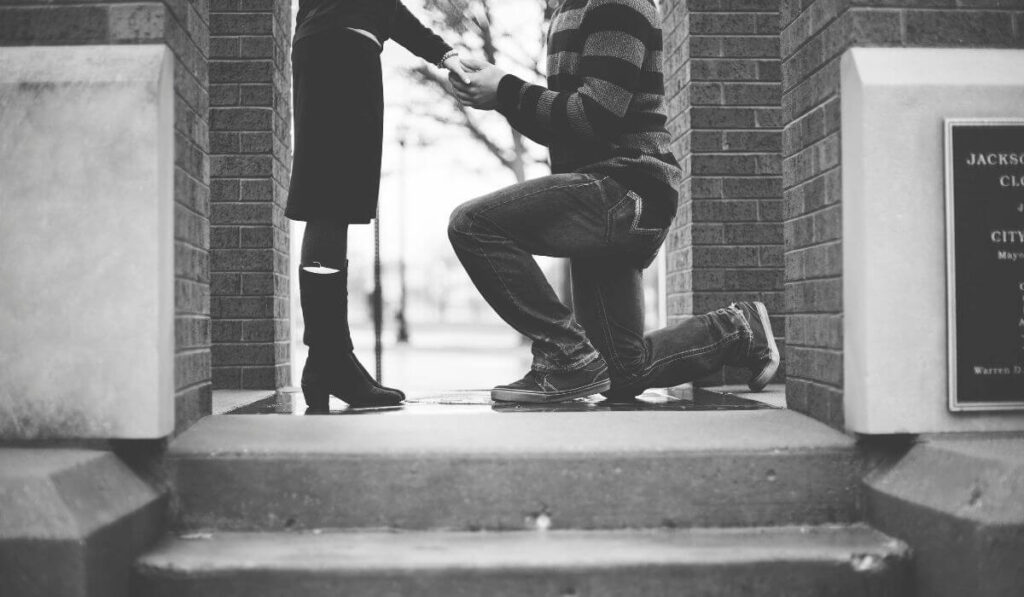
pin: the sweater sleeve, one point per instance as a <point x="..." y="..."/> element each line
<point x="416" y="37"/>
<point x="616" y="37"/>
<point x="524" y="125"/>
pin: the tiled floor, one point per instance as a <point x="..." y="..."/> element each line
<point x="225" y="401"/>
<point x="289" y="401"/>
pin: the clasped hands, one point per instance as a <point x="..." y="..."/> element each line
<point x="474" y="82"/>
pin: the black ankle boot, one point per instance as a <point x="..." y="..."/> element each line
<point x="331" y="367"/>
<point x="339" y="374"/>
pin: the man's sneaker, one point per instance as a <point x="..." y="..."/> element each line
<point x="763" y="354"/>
<point x="540" y="387"/>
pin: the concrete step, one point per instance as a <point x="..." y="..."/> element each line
<point x="470" y="471"/>
<point x="791" y="562"/>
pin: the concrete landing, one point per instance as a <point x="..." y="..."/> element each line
<point x="476" y="433"/>
<point x="790" y="562"/>
<point x="468" y="470"/>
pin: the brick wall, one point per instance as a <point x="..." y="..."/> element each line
<point x="678" y="247"/>
<point x="183" y="26"/>
<point x="250" y="156"/>
<point x="814" y="36"/>
<point x="723" y="69"/>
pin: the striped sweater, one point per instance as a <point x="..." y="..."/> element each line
<point x="603" y="110"/>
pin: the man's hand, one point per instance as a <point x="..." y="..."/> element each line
<point x="482" y="91"/>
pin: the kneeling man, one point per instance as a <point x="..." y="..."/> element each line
<point x="607" y="207"/>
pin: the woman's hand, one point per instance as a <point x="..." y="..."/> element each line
<point x="456" y="69"/>
<point x="479" y="90"/>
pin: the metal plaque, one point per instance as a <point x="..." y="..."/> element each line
<point x="985" y="257"/>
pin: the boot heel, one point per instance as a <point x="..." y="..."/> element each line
<point x="318" y="399"/>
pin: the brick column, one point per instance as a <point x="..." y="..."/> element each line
<point x="723" y="70"/>
<point x="814" y="36"/>
<point x="250" y="141"/>
<point x="183" y="27"/>
<point x="678" y="249"/>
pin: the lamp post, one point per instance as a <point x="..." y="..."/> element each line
<point x="402" y="132"/>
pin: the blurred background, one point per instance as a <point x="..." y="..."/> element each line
<point x="438" y="333"/>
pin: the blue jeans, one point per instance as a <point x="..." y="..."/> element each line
<point x="592" y="220"/>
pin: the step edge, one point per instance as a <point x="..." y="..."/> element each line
<point x="484" y="455"/>
<point x="867" y="550"/>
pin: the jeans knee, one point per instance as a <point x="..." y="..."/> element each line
<point x="460" y="221"/>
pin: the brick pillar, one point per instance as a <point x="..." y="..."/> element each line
<point x="183" y="27"/>
<point x="814" y="36"/>
<point x="250" y="142"/>
<point x="678" y="249"/>
<point x="723" y="67"/>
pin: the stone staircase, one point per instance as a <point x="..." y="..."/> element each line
<point x="470" y="502"/>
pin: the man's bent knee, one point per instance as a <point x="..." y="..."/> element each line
<point x="460" y="220"/>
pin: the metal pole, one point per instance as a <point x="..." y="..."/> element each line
<point x="378" y="299"/>
<point x="403" y="324"/>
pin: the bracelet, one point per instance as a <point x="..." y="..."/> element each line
<point x="447" y="55"/>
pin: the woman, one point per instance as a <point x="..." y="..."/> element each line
<point x="336" y="171"/>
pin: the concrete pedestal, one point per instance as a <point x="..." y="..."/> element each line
<point x="894" y="102"/>
<point x="959" y="502"/>
<point x="72" y="523"/>
<point x="87" y="242"/>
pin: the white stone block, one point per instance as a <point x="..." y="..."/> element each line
<point x="86" y="242"/>
<point x="894" y="104"/>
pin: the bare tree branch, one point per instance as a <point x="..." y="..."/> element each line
<point x="473" y="21"/>
<point x="467" y="120"/>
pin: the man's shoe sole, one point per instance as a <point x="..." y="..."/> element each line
<point x="759" y="381"/>
<point x="508" y="395"/>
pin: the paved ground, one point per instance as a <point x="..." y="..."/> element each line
<point x="453" y="366"/>
<point x="440" y="356"/>
<point x="450" y="367"/>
